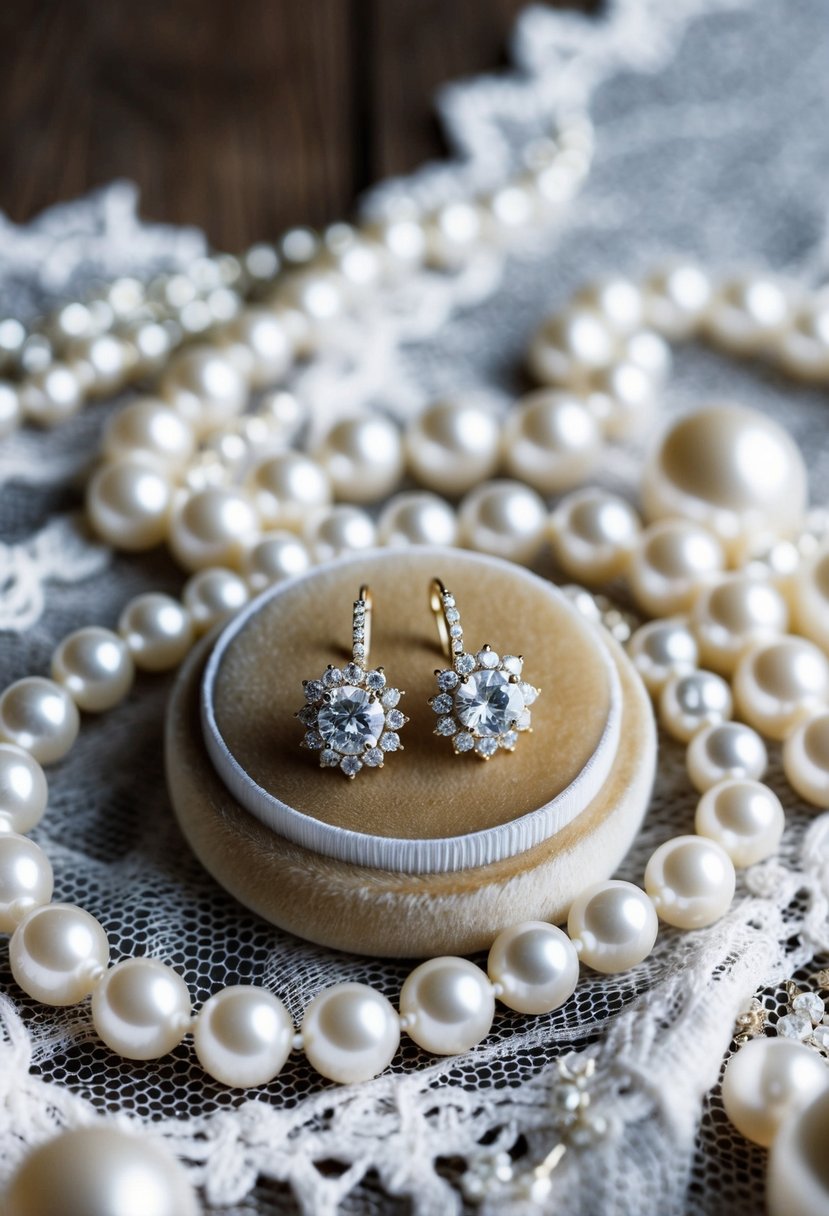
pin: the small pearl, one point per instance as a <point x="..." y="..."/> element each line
<point x="10" y="409"/>
<point x="350" y="1033"/>
<point x="449" y="1005"/>
<point x="613" y="926"/>
<point x="287" y="488"/>
<point x="128" y="503"/>
<point x="618" y="301"/>
<point x="283" y="414"/>
<point x="730" y="615"/>
<point x="671" y="561"/>
<point x="23" y="790"/>
<point x="141" y="1009"/>
<point x="767" y="1082"/>
<point x="243" y="1036"/>
<point x="777" y="683"/>
<point x="212" y="527"/>
<point x="417" y="518"/>
<point x="661" y="649"/>
<point x="691" y="881"/>
<point x="536" y="966"/>
<point x="152" y="343"/>
<point x="593" y="535"/>
<point x="453" y="232"/>
<point x="339" y="530"/>
<point x="797" y="1182"/>
<point x="259" y="345"/>
<point x="747" y="314"/>
<point x="205" y="387"/>
<point x="51" y="396"/>
<point x="726" y="749"/>
<point x="810" y="598"/>
<point x="570" y="347"/>
<point x="95" y="667"/>
<point x="803" y="350"/>
<point x="39" y="716"/>
<point x="25" y="879"/>
<point x="319" y="294"/>
<point x="213" y="595"/>
<point x="104" y="361"/>
<point x="150" y="430"/>
<point x="279" y="556"/>
<point x="689" y="702"/>
<point x="806" y="759"/>
<point x="402" y="235"/>
<point x="743" y="816"/>
<point x="551" y="441"/>
<point x="157" y="630"/>
<point x="676" y="298"/>
<point x="503" y="518"/>
<point x="58" y="954"/>
<point x="363" y="457"/>
<point x="453" y="445"/>
<point x="622" y="399"/>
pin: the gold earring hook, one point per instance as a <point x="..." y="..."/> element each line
<point x="362" y="620"/>
<point x="437" y="591"/>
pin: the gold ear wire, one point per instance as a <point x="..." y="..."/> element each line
<point x="437" y="591"/>
<point x="364" y="596"/>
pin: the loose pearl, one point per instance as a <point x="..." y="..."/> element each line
<point x="279" y="556"/>
<point x="612" y="925"/>
<point x="806" y="759"/>
<point x="157" y="630"/>
<point x="128" y="503"/>
<point x="150" y="430"/>
<point x="213" y="595"/>
<point x="734" y="613"/>
<point x="51" y="396"/>
<point x="570" y="347"/>
<point x="810" y="596"/>
<point x="661" y="649"/>
<point x="98" y="1171"/>
<point x="95" y="667"/>
<point x="58" y="954"/>
<point x="670" y="562"/>
<point x="676" y="298"/>
<point x="363" y="457"/>
<point x="777" y="683"/>
<point x="622" y="399"/>
<point x="141" y="1009"/>
<point x="448" y="1005"/>
<point x="212" y="527"/>
<point x="797" y="1183"/>
<point x="767" y="1082"/>
<point x="350" y="1033"/>
<point x="103" y="361"/>
<point x="452" y="446"/>
<point x="152" y="344"/>
<point x="551" y="441"/>
<point x="726" y="749"/>
<point x="243" y="1036"/>
<point x="536" y="966"/>
<point x="25" y="879"/>
<point x="339" y="530"/>
<point x="503" y="518"/>
<point x="417" y="518"/>
<point x="593" y="534"/>
<point x="287" y="488"/>
<point x="689" y="702"/>
<point x="453" y="232"/>
<point x="23" y="790"/>
<point x="10" y="409"/>
<point x="402" y="235"/>
<point x="691" y="881"/>
<point x="205" y="387"/>
<point x="319" y="294"/>
<point x="747" y="314"/>
<point x="259" y="345"/>
<point x="803" y="350"/>
<point x="618" y="301"/>
<point x="743" y="816"/>
<point x="39" y="716"/>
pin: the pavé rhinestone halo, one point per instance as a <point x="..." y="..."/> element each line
<point x="482" y="704"/>
<point x="351" y="715"/>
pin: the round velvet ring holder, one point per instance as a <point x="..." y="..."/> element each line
<point x="436" y="852"/>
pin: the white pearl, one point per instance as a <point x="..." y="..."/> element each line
<point x="747" y="314"/>
<point x="25" y="879"/>
<point x="733" y="613"/>
<point x="723" y="750"/>
<point x="403" y="236"/>
<point x="777" y="683"/>
<point x="743" y="816"/>
<point x="39" y="716"/>
<point x="58" y="954"/>
<point x="23" y="790"/>
<point x="212" y="527"/>
<point x="810" y="598"/>
<point x="287" y="488"/>
<point x="613" y="926"/>
<point x="279" y="556"/>
<point x="593" y="534"/>
<point x="363" y="457"/>
<point x="551" y="441"/>
<point x="10" y="409"/>
<point x="618" y="301"/>
<point x="797" y="1183"/>
<point x="213" y="595"/>
<point x="766" y="1082"/>
<point x="417" y="518"/>
<point x="51" y="396"/>
<point x="661" y="649"/>
<point x="128" y="503"/>
<point x="536" y="966"/>
<point x="453" y="232"/>
<point x="283" y="414"/>
<point x="803" y="349"/>
<point x="150" y="430"/>
<point x="676" y="298"/>
<point x="622" y="399"/>
<point x="157" y="630"/>
<point x="350" y="1033"/>
<point x="259" y="345"/>
<point x="141" y="1009"/>
<point x="243" y="1036"/>
<point x="297" y="324"/>
<point x="570" y="347"/>
<point x="339" y="530"/>
<point x="512" y="208"/>
<point x="691" y="881"/>
<point x="806" y="759"/>
<point x="503" y="518"/>
<point x="448" y="1005"/>
<point x="453" y="445"/>
<point x="670" y="562"/>
<point x="98" y="1171"/>
<point x="319" y="294"/>
<point x="104" y="361"/>
<point x="152" y="344"/>
<point x="95" y="667"/>
<point x="205" y="387"/>
<point x="689" y="702"/>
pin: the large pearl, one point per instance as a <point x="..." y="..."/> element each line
<point x="39" y="716"/>
<point x="448" y="1005"/>
<point x="612" y="925"/>
<point x="95" y="667"/>
<point x="593" y="534"/>
<point x="243" y="1036"/>
<point x="287" y="488"/>
<point x="141" y="1009"/>
<point x="350" y="1033"/>
<point x="806" y="759"/>
<point x="743" y="816"/>
<point x="259" y="345"/>
<point x="670" y="562"/>
<point x="691" y="881"/>
<point x="746" y="315"/>
<point x="98" y="1171"/>
<point x="730" y="469"/>
<point x="503" y="518"/>
<point x="417" y="518"/>
<point x="798" y="1170"/>
<point x="25" y="879"/>
<point x="689" y="702"/>
<point x="676" y="298"/>
<point x="733" y="613"/>
<point x="551" y="441"/>
<point x="51" y="396"/>
<point x="212" y="527"/>
<point x="661" y="649"/>
<point x="213" y="595"/>
<point x="58" y="954"/>
<point x="23" y="790"/>
<point x="128" y="503"/>
<point x="150" y="430"/>
<point x="725" y="750"/>
<point x="810" y="598"/>
<point x="205" y="387"/>
<point x="453" y="445"/>
<point x="570" y="347"/>
<point x="777" y="683"/>
<point x="363" y="457"/>
<point x="535" y="965"/>
<point x="278" y="556"/>
<point x="157" y="630"/>
<point x="339" y="530"/>
<point x="767" y="1082"/>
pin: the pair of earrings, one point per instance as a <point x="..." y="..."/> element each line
<point x="352" y="715"/>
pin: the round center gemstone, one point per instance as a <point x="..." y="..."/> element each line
<point x="487" y="704"/>
<point x="351" y="720"/>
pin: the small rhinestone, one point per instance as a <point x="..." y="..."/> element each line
<point x="359" y="634"/>
<point x="512" y="664"/>
<point x="329" y="758"/>
<point x="457" y="645"/>
<point x="353" y="673"/>
<point x="351" y="765"/>
<point x="486" y="747"/>
<point x="508" y="740"/>
<point x="464" y="664"/>
<point x="449" y="601"/>
<point x="446" y="726"/>
<point x="487" y="658"/>
<point x="463" y="742"/>
<point x="394" y="719"/>
<point x="455" y="631"/>
<point x="307" y="715"/>
<point x="389" y="741"/>
<point x="524" y="720"/>
<point x="332" y="676"/>
<point x="820" y="1037"/>
<point x="390" y="698"/>
<point x="529" y="693"/>
<point x="373" y="758"/>
<point x="442" y="704"/>
<point x="810" y="1004"/>
<point x="452" y="615"/>
<point x="359" y="650"/>
<point x="313" y="691"/>
<point x="376" y="680"/>
<point x="313" y="740"/>
<point x="447" y="680"/>
<point x="794" y="1026"/>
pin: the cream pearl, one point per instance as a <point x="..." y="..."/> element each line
<point x="777" y="683"/>
<point x="691" y="881"/>
<point x="58" y="954"/>
<point x="798" y="1170"/>
<point x="453" y="232"/>
<point x="806" y="759"/>
<point x="661" y="649"/>
<point x="743" y="816"/>
<point x="39" y="716"/>
<point x="618" y="301"/>
<point x="25" y="879"/>
<point x="363" y="457"/>
<point x="593" y="534"/>
<point x="622" y="399"/>
<point x="767" y="1082"/>
<point x="732" y="614"/>
<point x="803" y="349"/>
<point x="319" y="294"/>
<point x="612" y="925"/>
<point x="287" y="488"/>
<point x="810" y="598"/>
<point x="534" y="967"/>
<point x="23" y="790"/>
<point x="259" y="345"/>
<point x="747" y="313"/>
<point x="128" y="504"/>
<point x="141" y="1009"/>
<point x="669" y="564"/>
<point x="676" y="298"/>
<point x="503" y="518"/>
<point x="212" y="527"/>
<point x="725" y="750"/>
<point x="243" y="1036"/>
<point x="417" y="518"/>
<point x="570" y="347"/>
<point x="339" y="530"/>
<point x="205" y="387"/>
<point x="350" y="1033"/>
<point x="278" y="556"/>
<point x="453" y="445"/>
<point x="98" y="1171"/>
<point x="95" y="667"/>
<point x="11" y="411"/>
<point x="447" y="1005"/>
<point x="551" y="441"/>
<point x="689" y="702"/>
<point x="103" y="361"/>
<point x="151" y="430"/>
<point x="51" y="396"/>
<point x="213" y="595"/>
<point x="157" y="630"/>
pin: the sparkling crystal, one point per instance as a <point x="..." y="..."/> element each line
<point x="442" y="704"/>
<point x="359" y="633"/>
<point x="464" y="663"/>
<point x="351" y="720"/>
<point x="508" y="740"/>
<point x="486" y="747"/>
<point x="452" y="615"/>
<point x="313" y="691"/>
<point x="488" y="703"/>
<point x="457" y="645"/>
<point x="447" y="680"/>
<point x="487" y="658"/>
<point x="307" y="715"/>
<point x="394" y="719"/>
<point x="351" y="765"/>
<point x="794" y="1026"/>
<point x="512" y="664"/>
<point x="449" y="601"/>
<point x="332" y="677"/>
<point x="529" y="693"/>
<point x="373" y="757"/>
<point x="446" y="726"/>
<point x="463" y="742"/>
<point x="359" y="651"/>
<point x="353" y="673"/>
<point x="376" y="680"/>
<point x="329" y="758"/>
<point x="810" y="1004"/>
<point x="820" y="1037"/>
<point x="389" y="741"/>
<point x="313" y="740"/>
<point x="391" y="697"/>
<point x="455" y="631"/>
<point x="523" y="720"/>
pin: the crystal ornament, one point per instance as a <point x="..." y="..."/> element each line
<point x="488" y="704"/>
<point x="351" y="720"/>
